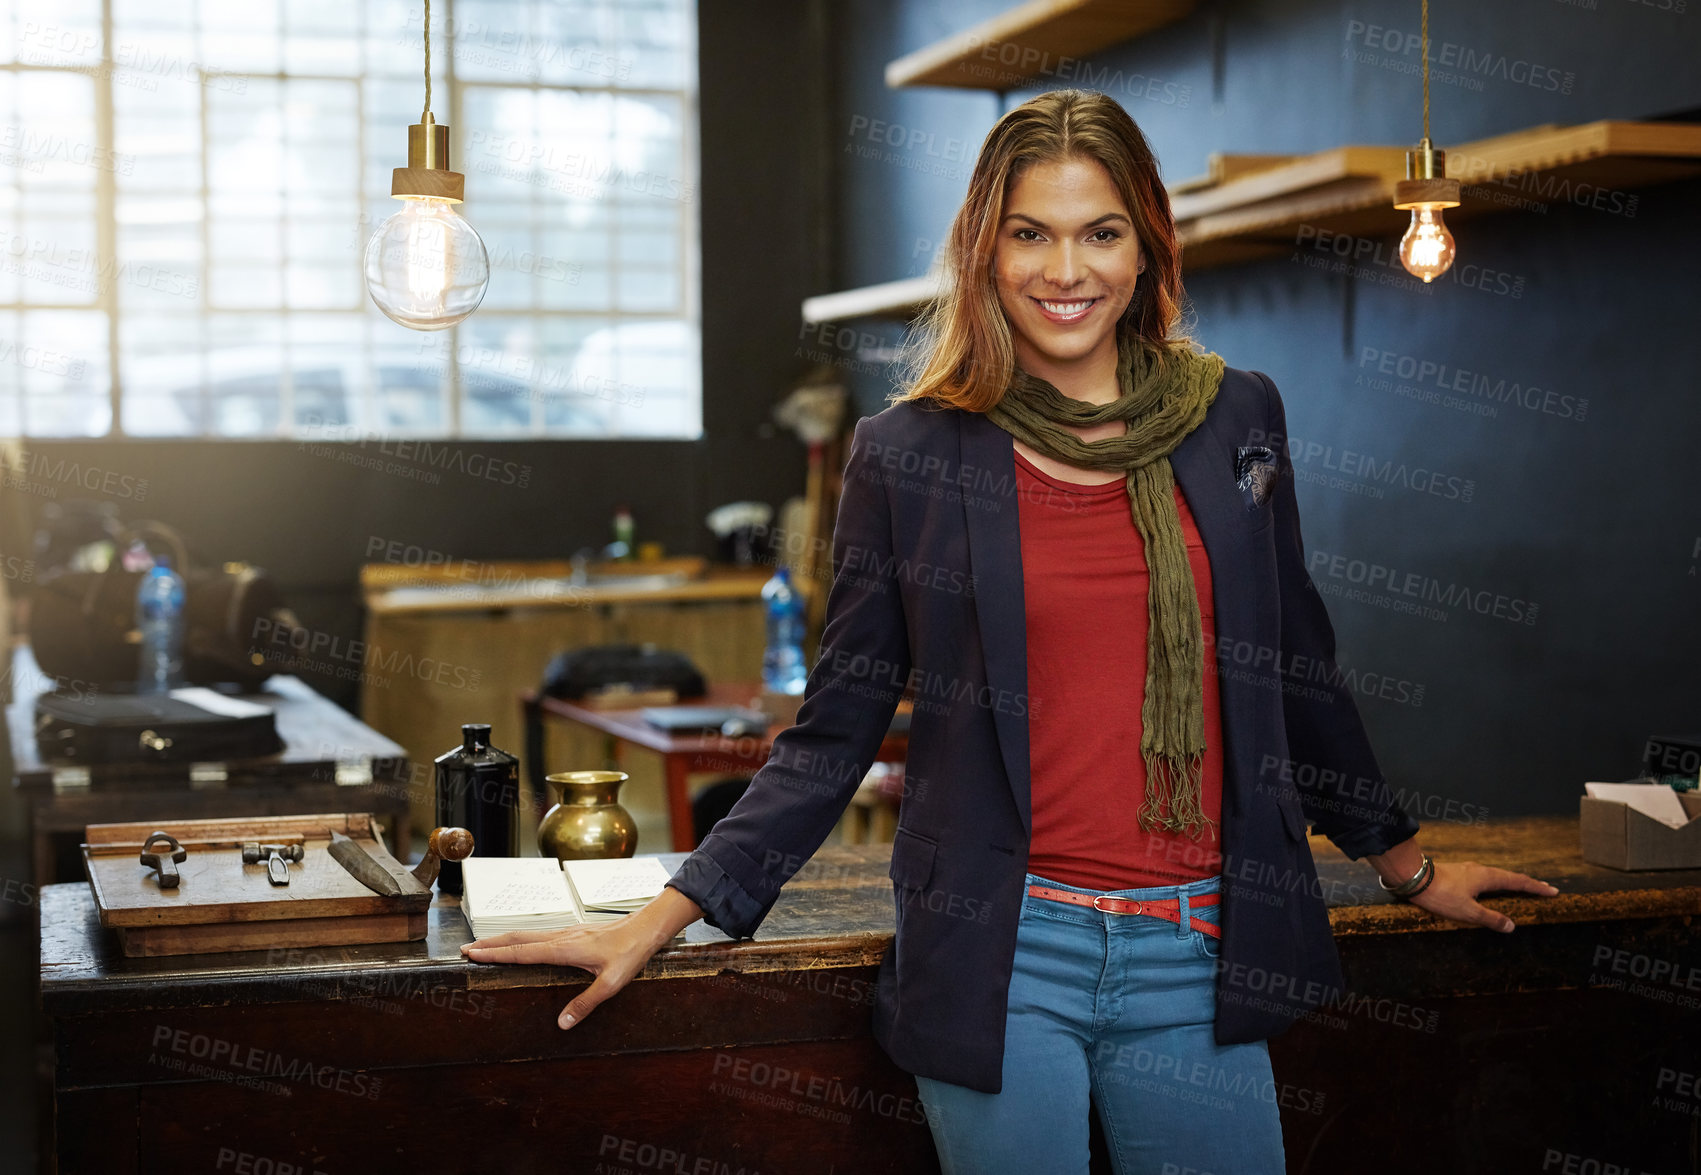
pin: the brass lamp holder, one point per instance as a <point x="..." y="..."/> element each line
<point x="427" y="174"/>
<point x="1426" y="184"/>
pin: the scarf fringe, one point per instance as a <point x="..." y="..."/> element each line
<point x="1175" y="783"/>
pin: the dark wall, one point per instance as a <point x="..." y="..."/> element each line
<point x="311" y="515"/>
<point x="1556" y="542"/>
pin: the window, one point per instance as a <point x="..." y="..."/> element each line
<point x="187" y="187"/>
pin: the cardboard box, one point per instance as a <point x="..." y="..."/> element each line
<point x="1619" y="837"/>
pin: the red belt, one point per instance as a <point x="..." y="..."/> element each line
<point x="1168" y="909"/>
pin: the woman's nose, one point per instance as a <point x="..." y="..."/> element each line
<point x="1063" y="265"/>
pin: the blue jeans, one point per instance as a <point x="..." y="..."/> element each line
<point x="1115" y="1008"/>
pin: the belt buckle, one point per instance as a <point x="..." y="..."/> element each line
<point x="1097" y="898"/>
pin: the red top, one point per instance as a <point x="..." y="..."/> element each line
<point x="1084" y="578"/>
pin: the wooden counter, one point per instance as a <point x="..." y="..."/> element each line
<point x="407" y="1058"/>
<point x="1455" y="1050"/>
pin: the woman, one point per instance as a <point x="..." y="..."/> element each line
<point x="1103" y="887"/>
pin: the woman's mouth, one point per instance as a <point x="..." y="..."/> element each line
<point x="1066" y="310"/>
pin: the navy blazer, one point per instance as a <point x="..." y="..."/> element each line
<point x="927" y="592"/>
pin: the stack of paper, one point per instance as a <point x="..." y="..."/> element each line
<point x="501" y="894"/>
<point x="608" y="890"/>
<point x="1651" y="799"/>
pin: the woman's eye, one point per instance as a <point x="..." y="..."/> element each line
<point x="1106" y="234"/>
<point x="1020" y="237"/>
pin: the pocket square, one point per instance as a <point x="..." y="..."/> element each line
<point x="1255" y="471"/>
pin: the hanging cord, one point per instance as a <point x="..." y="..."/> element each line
<point x="1424" y="38"/>
<point x="427" y="109"/>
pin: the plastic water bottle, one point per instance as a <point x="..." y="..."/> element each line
<point x="783" y="670"/>
<point x="159" y="614"/>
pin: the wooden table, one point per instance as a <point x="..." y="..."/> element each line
<point x="685" y="754"/>
<point x="330" y="763"/>
<point x="1458" y="1050"/>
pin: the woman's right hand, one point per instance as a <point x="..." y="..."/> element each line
<point x="614" y="952"/>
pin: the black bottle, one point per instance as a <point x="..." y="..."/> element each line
<point x="478" y="789"/>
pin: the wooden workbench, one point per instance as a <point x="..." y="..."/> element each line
<point x="330" y="762"/>
<point x="1457" y="1050"/>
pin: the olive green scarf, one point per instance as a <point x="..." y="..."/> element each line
<point x="1164" y="397"/>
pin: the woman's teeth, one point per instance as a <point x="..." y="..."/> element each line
<point x="1067" y="309"/>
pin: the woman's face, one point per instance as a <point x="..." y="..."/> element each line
<point x="1065" y="265"/>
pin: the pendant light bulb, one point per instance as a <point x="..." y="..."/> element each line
<point x="426" y="267"/>
<point x="1427" y="248"/>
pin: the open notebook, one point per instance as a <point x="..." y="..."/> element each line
<point x="503" y="894"/>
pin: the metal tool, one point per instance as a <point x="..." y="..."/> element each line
<point x="275" y="858"/>
<point x="166" y="863"/>
<point x="363" y="866"/>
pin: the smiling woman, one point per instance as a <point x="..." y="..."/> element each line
<point x="1144" y="901"/>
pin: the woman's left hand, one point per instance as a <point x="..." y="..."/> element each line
<point x="1453" y="892"/>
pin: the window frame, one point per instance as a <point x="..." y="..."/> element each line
<point x="449" y="91"/>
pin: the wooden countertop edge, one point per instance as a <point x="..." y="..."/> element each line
<point x="1397" y="917"/>
<point x="70" y="995"/>
<point x="731" y="587"/>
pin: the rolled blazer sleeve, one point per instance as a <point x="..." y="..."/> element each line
<point x="1342" y="789"/>
<point x="816" y="765"/>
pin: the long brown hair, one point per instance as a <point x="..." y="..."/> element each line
<point x="962" y="355"/>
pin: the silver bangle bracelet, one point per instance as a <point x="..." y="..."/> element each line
<point x="1412" y="883"/>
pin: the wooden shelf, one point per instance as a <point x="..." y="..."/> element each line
<point x="1221" y="168"/>
<point x="1252" y="206"/>
<point x="899" y="299"/>
<point x="1351" y="189"/>
<point x="1039" y="37"/>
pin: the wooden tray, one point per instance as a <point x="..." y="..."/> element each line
<point x="222" y="904"/>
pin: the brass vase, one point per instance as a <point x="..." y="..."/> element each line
<point x="587" y="819"/>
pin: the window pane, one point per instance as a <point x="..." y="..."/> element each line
<point x="658" y="43"/>
<point x="242" y="38"/>
<point x="322" y="37"/>
<point x="11" y="423"/>
<point x="162" y="356"/>
<point x="495" y="357"/>
<point x="572" y="406"/>
<point x="60" y="357"/>
<point x="393" y="44"/>
<point x="51" y="32"/>
<point x="329" y="380"/>
<point x="245" y="368"/>
<point x="411" y="382"/>
<point x="49" y="160"/>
